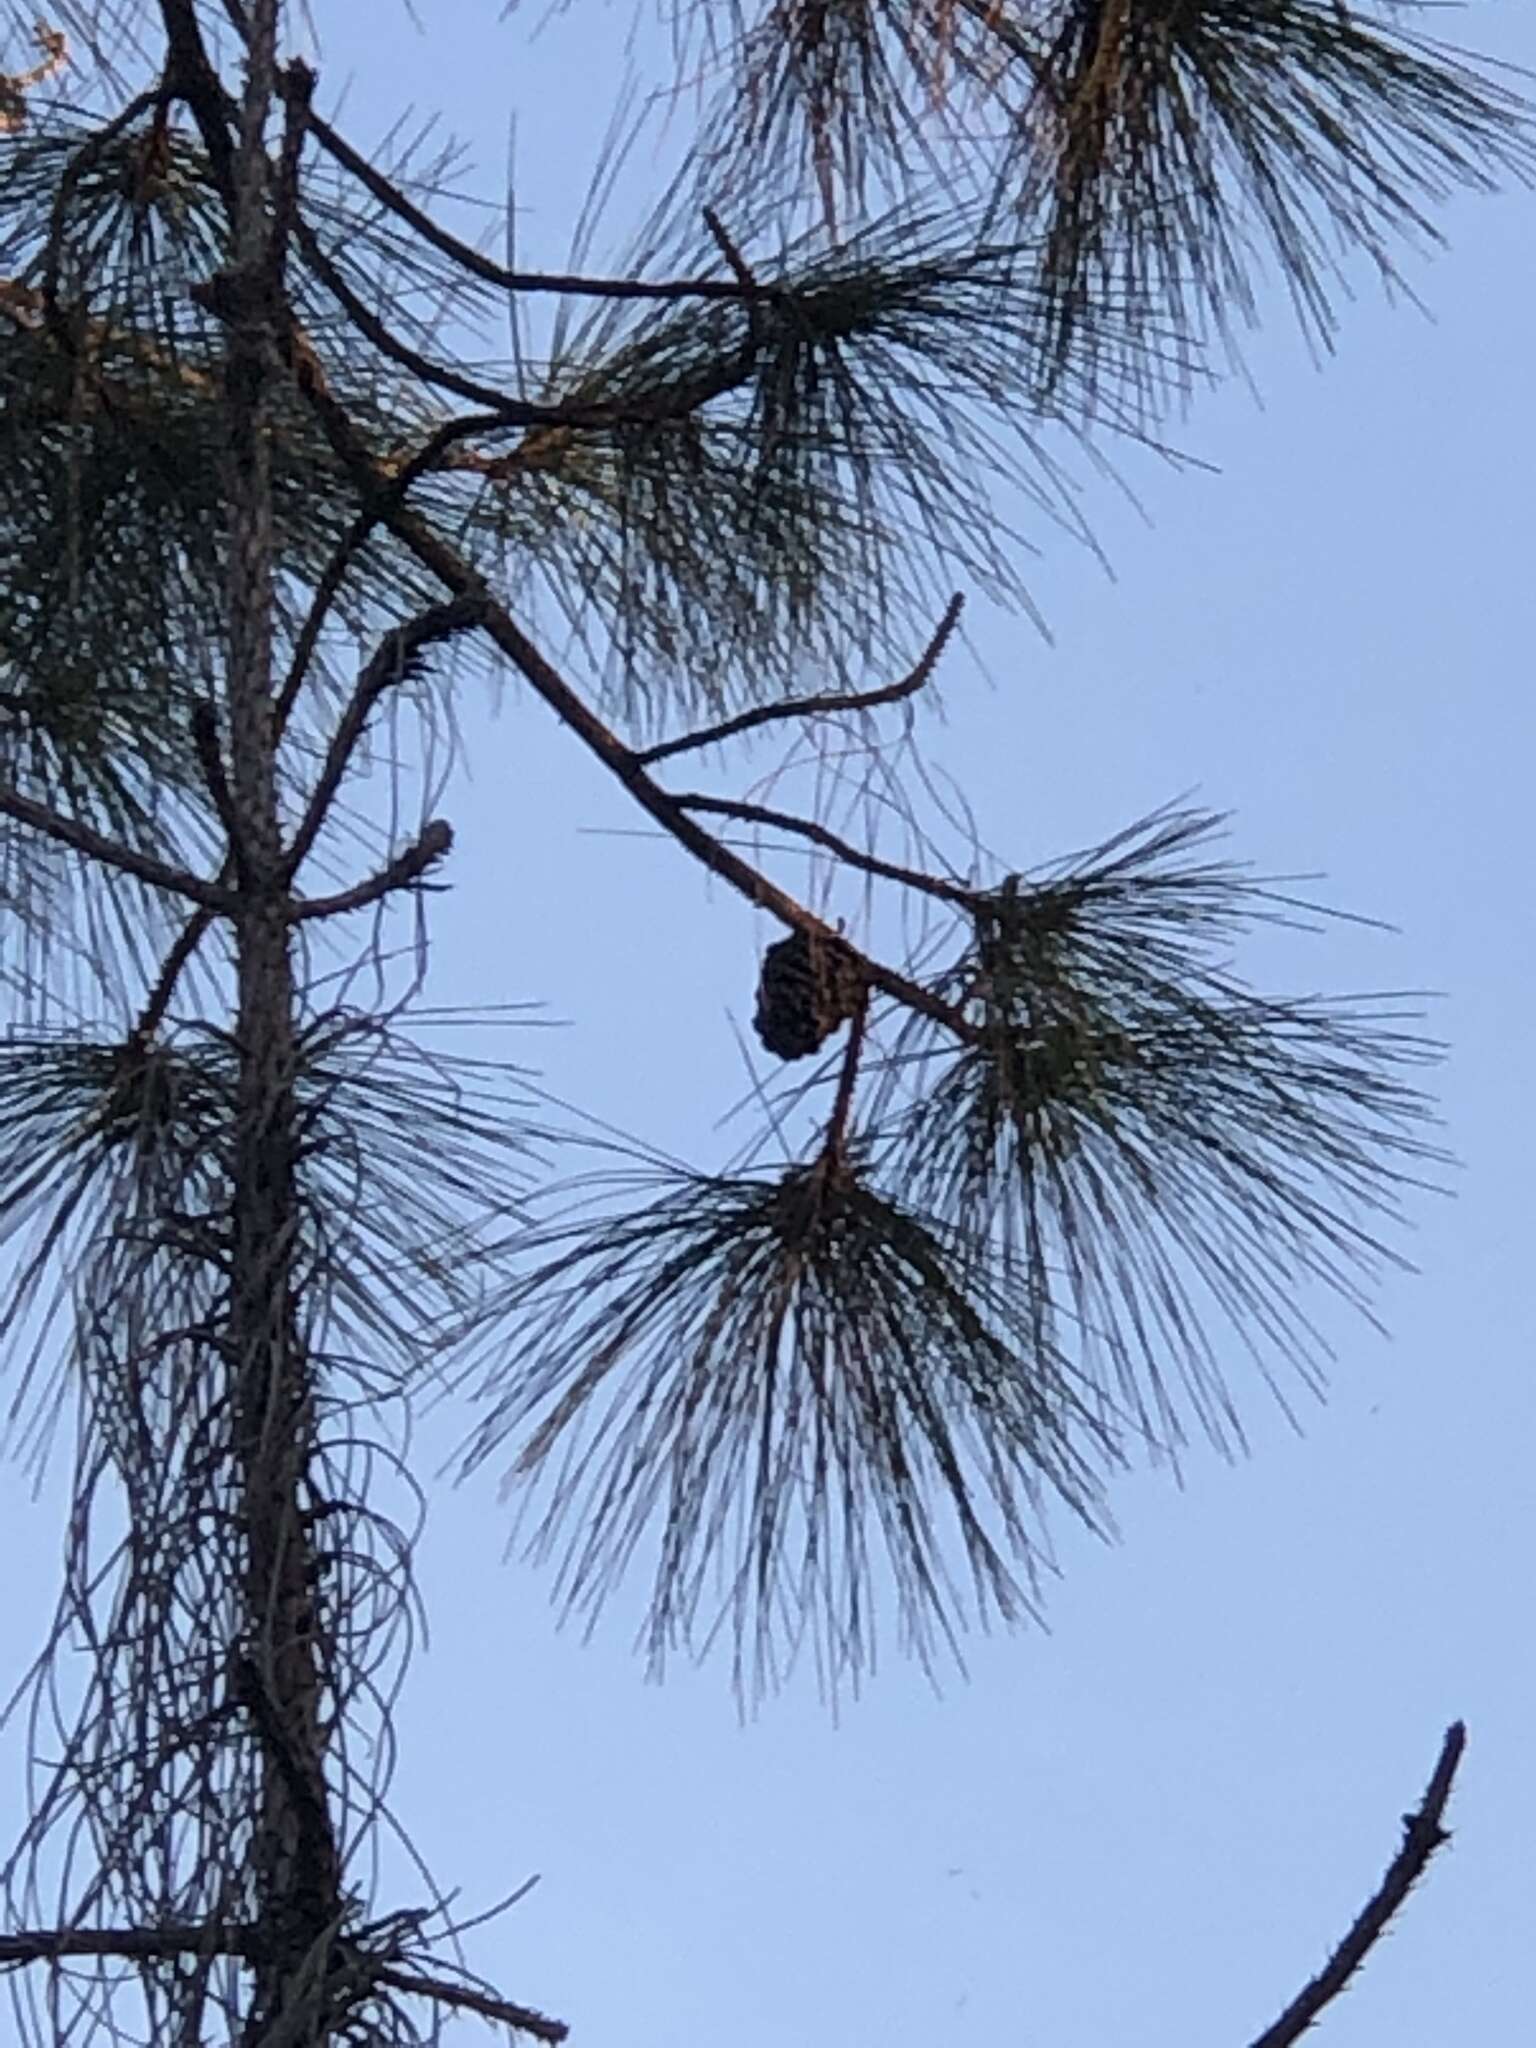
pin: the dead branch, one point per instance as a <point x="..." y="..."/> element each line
<point x="486" y="268"/>
<point x="388" y="667"/>
<point x="465" y="1998"/>
<point x="833" y="842"/>
<point x="127" y="860"/>
<point x="131" y="1944"/>
<point x="1423" y="1834"/>
<point x="406" y="868"/>
<point x="818" y="707"/>
<point x="245" y="1944"/>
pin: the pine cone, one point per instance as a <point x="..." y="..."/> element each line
<point x="808" y="987"/>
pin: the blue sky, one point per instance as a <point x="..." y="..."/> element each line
<point x="1148" y="1824"/>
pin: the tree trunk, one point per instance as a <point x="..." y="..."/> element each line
<point x="294" y="1857"/>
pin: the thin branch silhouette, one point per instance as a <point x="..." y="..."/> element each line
<point x="1423" y="1833"/>
<point x="797" y="708"/>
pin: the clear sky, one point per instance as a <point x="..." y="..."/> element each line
<point x="1149" y="1824"/>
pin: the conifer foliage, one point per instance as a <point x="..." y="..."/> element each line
<point x="1064" y="1178"/>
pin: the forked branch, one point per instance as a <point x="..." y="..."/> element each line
<point x="669" y="403"/>
<point x="478" y="264"/>
<point x="461" y="580"/>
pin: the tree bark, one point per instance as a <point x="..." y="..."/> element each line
<point x="294" y="1860"/>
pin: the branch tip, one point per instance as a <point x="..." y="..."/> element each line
<point x="1423" y="1833"/>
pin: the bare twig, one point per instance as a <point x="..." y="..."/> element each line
<point x="186" y="943"/>
<point x="822" y="835"/>
<point x="511" y="411"/>
<point x="388" y="667"/>
<point x="487" y="269"/>
<point x="210" y="758"/>
<point x="836" y="1144"/>
<point x="1423" y="1834"/>
<point x="467" y="1999"/>
<point x="132" y="1944"/>
<point x="406" y="868"/>
<point x="818" y="707"/>
<point x="438" y="444"/>
<point x="144" y="867"/>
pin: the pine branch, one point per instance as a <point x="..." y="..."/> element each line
<point x="403" y="872"/>
<point x="1423" y="1833"/>
<point x="816" y="707"/>
<point x="475" y="263"/>
<point x="131" y="1944"/>
<point x="246" y="1943"/>
<point x="463" y="582"/>
<point x="795" y="1385"/>
<point x="656" y="407"/>
<point x="127" y="860"/>
<point x="777" y="1390"/>
<point x="821" y="835"/>
<point x="396" y="660"/>
<point x="466" y="1998"/>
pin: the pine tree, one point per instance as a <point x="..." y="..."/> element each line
<point x="1061" y="1164"/>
